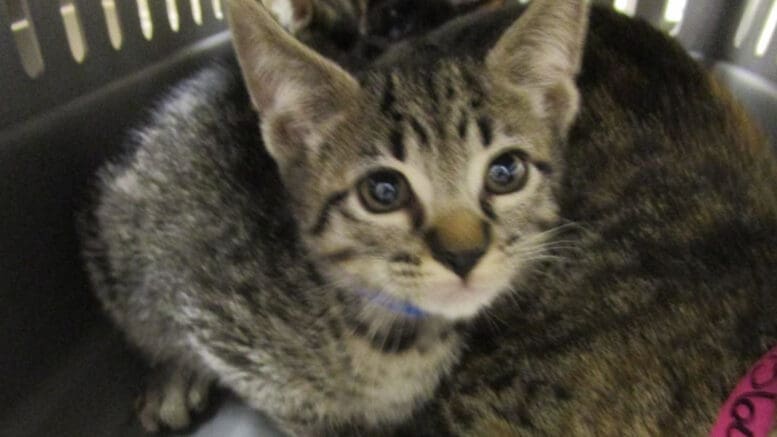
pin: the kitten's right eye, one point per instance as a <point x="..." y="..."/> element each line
<point x="507" y="173"/>
<point x="384" y="191"/>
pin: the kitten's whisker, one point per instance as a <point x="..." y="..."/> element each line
<point x="487" y="316"/>
<point x="513" y="296"/>
<point x="537" y="251"/>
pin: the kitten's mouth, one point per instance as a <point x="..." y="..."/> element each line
<point x="458" y="302"/>
<point x="448" y="296"/>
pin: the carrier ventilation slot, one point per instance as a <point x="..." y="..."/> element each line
<point x="24" y="36"/>
<point x="765" y="38"/>
<point x="197" y="11"/>
<point x="754" y="33"/>
<point x="750" y="37"/>
<point x="73" y="29"/>
<point x="112" y="23"/>
<point x="172" y="15"/>
<point x="674" y="14"/>
<point x="628" y="7"/>
<point x="146" y="25"/>
<point x="748" y="19"/>
<point x="217" y="11"/>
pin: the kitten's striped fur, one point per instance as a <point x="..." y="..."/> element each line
<point x="624" y="289"/>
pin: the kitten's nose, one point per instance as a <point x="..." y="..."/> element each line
<point x="458" y="240"/>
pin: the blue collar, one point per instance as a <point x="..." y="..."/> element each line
<point x="393" y="304"/>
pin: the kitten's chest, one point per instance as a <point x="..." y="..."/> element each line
<point x="391" y="382"/>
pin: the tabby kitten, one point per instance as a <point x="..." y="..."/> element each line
<point x="424" y="246"/>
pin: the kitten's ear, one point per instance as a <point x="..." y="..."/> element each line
<point x="297" y="92"/>
<point x="542" y="53"/>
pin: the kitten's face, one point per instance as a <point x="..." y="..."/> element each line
<point x="431" y="182"/>
<point x="436" y="190"/>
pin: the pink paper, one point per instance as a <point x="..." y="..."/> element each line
<point x="749" y="411"/>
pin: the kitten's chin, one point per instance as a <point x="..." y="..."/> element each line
<point x="457" y="301"/>
<point x="449" y="296"/>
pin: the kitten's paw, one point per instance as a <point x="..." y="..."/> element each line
<point x="172" y="397"/>
<point x="293" y="15"/>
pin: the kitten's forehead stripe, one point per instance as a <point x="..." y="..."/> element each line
<point x="463" y="125"/>
<point x="423" y="137"/>
<point x="475" y="86"/>
<point x="369" y="150"/>
<point x="486" y="127"/>
<point x="397" y="141"/>
<point x="388" y="99"/>
<point x="431" y="115"/>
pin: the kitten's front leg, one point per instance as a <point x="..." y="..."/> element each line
<point x="173" y="396"/>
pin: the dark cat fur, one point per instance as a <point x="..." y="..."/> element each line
<point x="666" y="300"/>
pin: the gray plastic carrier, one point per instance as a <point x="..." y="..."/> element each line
<point x="75" y="75"/>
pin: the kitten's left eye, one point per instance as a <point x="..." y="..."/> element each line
<point x="384" y="191"/>
<point x="507" y="173"/>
